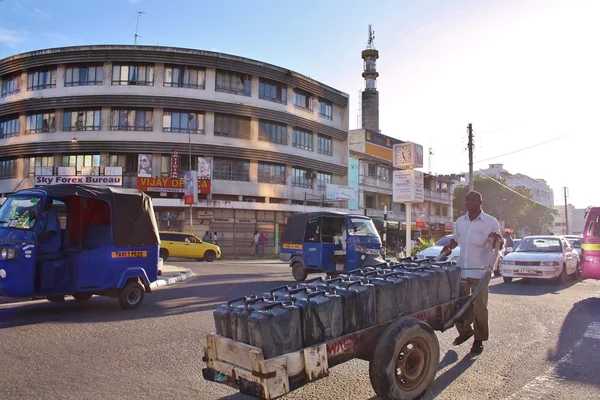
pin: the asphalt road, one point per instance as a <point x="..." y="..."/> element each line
<point x="544" y="344"/>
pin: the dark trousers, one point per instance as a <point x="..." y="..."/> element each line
<point x="476" y="315"/>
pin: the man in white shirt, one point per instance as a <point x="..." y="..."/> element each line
<point x="475" y="233"/>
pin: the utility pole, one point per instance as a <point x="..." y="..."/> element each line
<point x="566" y="212"/>
<point x="471" y="181"/>
<point x="385" y="223"/>
<point x="137" y="24"/>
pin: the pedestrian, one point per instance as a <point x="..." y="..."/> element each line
<point x="262" y="242"/>
<point x="207" y="237"/>
<point x="475" y="233"/>
<point x="508" y="242"/>
<point x="255" y="243"/>
<point x="215" y="239"/>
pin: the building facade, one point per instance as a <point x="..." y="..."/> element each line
<point x="574" y="222"/>
<point x="268" y="139"/>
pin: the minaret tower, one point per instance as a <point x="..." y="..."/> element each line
<point x="370" y="96"/>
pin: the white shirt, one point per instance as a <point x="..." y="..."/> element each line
<point x="475" y="246"/>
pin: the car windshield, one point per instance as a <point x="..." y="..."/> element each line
<point x="539" y="245"/>
<point x="18" y="212"/>
<point x="362" y="227"/>
<point x="443" y="241"/>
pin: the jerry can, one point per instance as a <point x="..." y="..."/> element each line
<point x="222" y="315"/>
<point x="358" y="304"/>
<point x="392" y="291"/>
<point x="275" y="328"/>
<point x="239" y="317"/>
<point x="320" y="315"/>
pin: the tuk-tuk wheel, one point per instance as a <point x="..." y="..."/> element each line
<point x="405" y="360"/>
<point x="132" y="295"/>
<point x="299" y="272"/>
<point x="82" y="296"/>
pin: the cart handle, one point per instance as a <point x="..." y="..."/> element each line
<point x="288" y="287"/>
<point x="252" y="301"/>
<point x="272" y="305"/>
<point x="298" y="290"/>
<point x="245" y="298"/>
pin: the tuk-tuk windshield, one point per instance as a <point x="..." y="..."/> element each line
<point x="20" y="212"/>
<point x="361" y="227"/>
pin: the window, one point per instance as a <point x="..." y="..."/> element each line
<point x="80" y="161"/>
<point x="325" y="107"/>
<point x="372" y="170"/>
<point x="271" y="173"/>
<point x="303" y="99"/>
<point x="232" y="126"/>
<point x="369" y="201"/>
<point x="129" y="162"/>
<point x="9" y="126"/>
<point x="302" y="139"/>
<point x="300" y="178"/>
<point x="185" y="77"/>
<point x="11" y="84"/>
<point x="233" y="82"/>
<point x="231" y="170"/>
<point x="272" y="91"/>
<point x="165" y="166"/>
<point x="84" y="75"/>
<point x="8" y="168"/>
<point x="322" y="180"/>
<point x="38" y="123"/>
<point x="183" y="122"/>
<point x="82" y="120"/>
<point x="325" y="145"/>
<point x="383" y="173"/>
<point x="272" y="132"/>
<point x="131" y="120"/>
<point x="32" y="162"/>
<point x="134" y="74"/>
<point x="42" y="79"/>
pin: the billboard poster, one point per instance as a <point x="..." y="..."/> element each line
<point x="190" y="188"/>
<point x="175" y="164"/>
<point x="204" y="168"/>
<point x="407" y="186"/>
<point x="170" y="185"/>
<point x="145" y="165"/>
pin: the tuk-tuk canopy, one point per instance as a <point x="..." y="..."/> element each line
<point x="131" y="212"/>
<point x="296" y="224"/>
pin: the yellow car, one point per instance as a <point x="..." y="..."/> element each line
<point x="187" y="245"/>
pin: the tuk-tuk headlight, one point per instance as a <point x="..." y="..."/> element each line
<point x="359" y="248"/>
<point x="8" y="253"/>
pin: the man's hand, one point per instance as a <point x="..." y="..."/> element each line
<point x="497" y="238"/>
<point x="448" y="248"/>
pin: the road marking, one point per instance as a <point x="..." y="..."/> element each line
<point x="543" y="385"/>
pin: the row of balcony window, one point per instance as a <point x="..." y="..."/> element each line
<point x="223" y="168"/>
<point x="173" y="121"/>
<point x="174" y="76"/>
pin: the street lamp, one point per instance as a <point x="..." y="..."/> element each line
<point x="502" y="211"/>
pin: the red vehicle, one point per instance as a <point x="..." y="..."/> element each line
<point x="590" y="245"/>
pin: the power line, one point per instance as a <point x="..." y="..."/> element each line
<point x="130" y="22"/>
<point x="521" y="149"/>
<point x="513" y="190"/>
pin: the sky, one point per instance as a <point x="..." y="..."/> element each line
<point x="525" y="73"/>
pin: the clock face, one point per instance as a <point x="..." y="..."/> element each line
<point x="405" y="154"/>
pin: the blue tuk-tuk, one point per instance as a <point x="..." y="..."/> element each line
<point x="329" y="242"/>
<point x="78" y="240"/>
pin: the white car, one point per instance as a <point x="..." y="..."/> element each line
<point x="575" y="241"/>
<point x="434" y="251"/>
<point x="541" y="257"/>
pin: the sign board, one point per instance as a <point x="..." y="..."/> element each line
<point x="190" y="188"/>
<point x="407" y="155"/>
<point x="420" y="214"/>
<point x="408" y="186"/>
<point x="339" y="192"/>
<point x="170" y="185"/>
<point x="79" y="179"/>
<point x="205" y="214"/>
<point x="175" y="166"/>
<point x="113" y="171"/>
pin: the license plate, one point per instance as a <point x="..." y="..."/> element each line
<point x="372" y="251"/>
<point x="527" y="271"/>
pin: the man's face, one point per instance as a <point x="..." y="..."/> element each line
<point x="472" y="202"/>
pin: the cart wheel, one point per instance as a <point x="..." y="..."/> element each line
<point x="82" y="296"/>
<point x="56" y="299"/>
<point x="299" y="272"/>
<point x="132" y="295"/>
<point x="405" y="360"/>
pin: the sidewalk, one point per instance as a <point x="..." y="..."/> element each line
<point x="170" y="275"/>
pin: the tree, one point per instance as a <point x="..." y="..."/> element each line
<point x="517" y="210"/>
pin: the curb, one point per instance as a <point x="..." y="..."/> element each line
<point x="165" y="281"/>
<point x="180" y="277"/>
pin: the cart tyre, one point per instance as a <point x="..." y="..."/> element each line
<point x="409" y="347"/>
<point x="132" y="295"/>
<point x="82" y="296"/>
<point x="298" y="271"/>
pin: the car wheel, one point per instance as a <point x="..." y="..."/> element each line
<point x="562" y="278"/>
<point x="164" y="254"/>
<point x="507" y="279"/>
<point x="210" y="256"/>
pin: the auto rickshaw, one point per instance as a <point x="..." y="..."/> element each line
<point x="78" y="240"/>
<point x="329" y="242"/>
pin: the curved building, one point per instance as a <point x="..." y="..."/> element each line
<point x="265" y="140"/>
